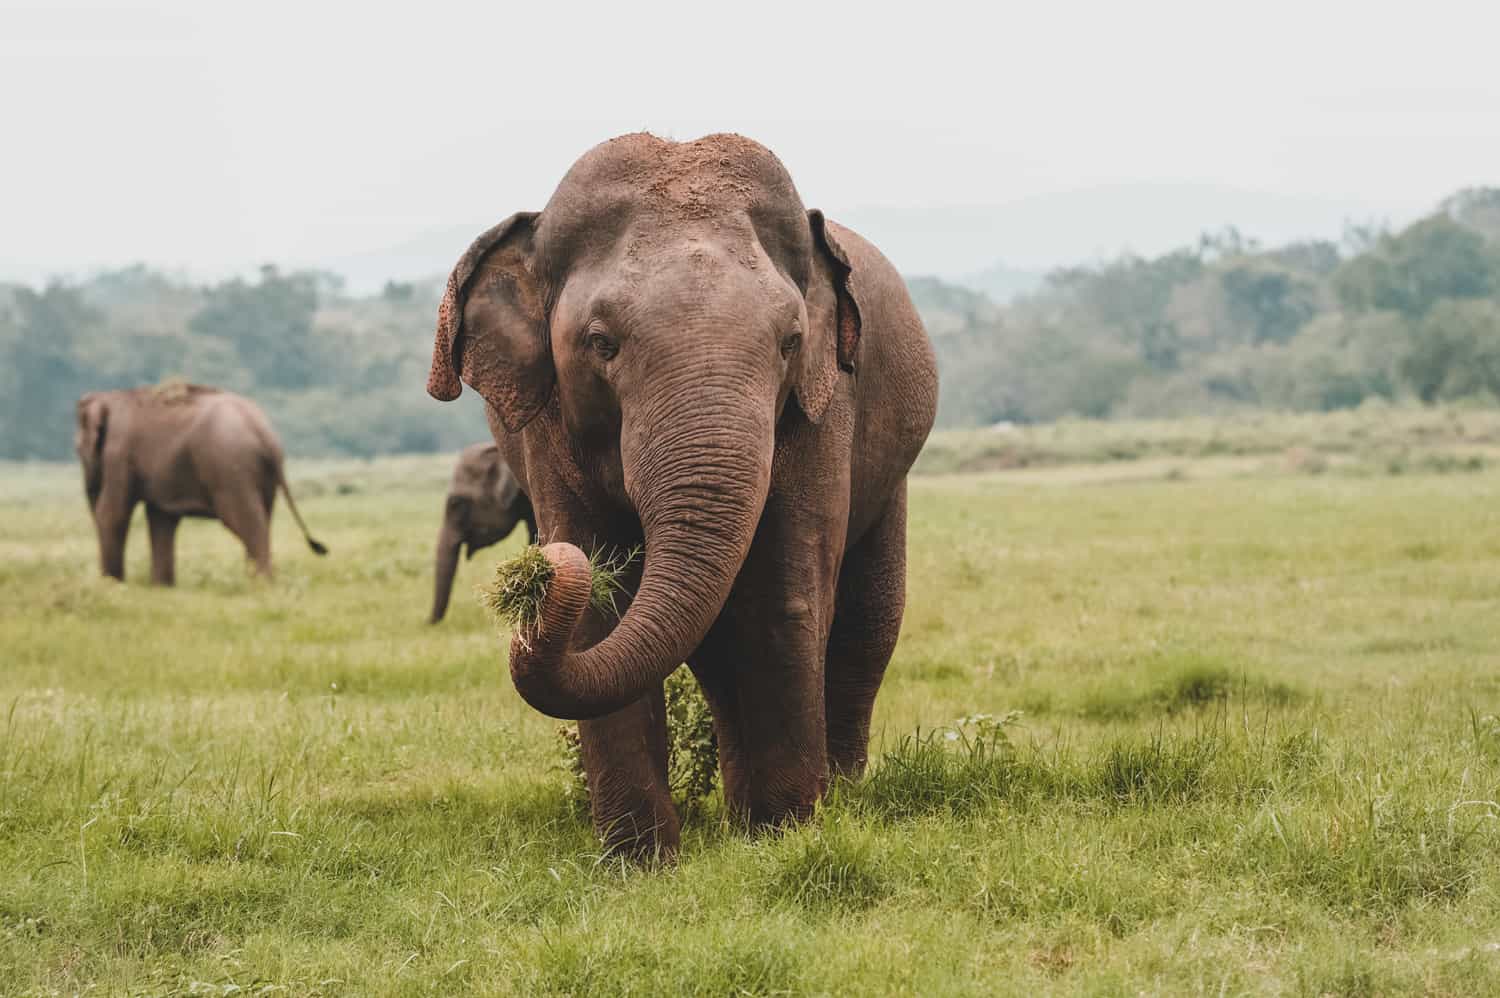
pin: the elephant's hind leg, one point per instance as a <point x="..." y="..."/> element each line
<point x="866" y="622"/>
<point x="249" y="520"/>
<point x="163" y="528"/>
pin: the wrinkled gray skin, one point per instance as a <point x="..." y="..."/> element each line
<point x="485" y="503"/>
<point x="189" y="451"/>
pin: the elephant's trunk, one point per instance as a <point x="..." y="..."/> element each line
<point x="699" y="490"/>
<point x="449" y="544"/>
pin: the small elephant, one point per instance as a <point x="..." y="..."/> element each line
<point x="675" y="352"/>
<point x="485" y="502"/>
<point x="183" y="450"/>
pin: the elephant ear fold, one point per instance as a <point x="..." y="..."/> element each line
<point x="93" y="421"/>
<point x="831" y="343"/>
<point x="492" y="326"/>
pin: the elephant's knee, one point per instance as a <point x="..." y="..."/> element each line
<point x="796" y="619"/>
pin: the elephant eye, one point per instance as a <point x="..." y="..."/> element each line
<point x="603" y="345"/>
<point x="790" y="344"/>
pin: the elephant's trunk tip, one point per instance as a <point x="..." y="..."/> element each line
<point x="541" y="594"/>
<point x="565" y="585"/>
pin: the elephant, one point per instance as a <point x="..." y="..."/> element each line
<point x="484" y="504"/>
<point x="674" y="352"/>
<point x="183" y="450"/>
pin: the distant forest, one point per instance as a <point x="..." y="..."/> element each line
<point x="1219" y="327"/>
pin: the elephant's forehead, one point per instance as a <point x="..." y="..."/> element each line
<point x="646" y="183"/>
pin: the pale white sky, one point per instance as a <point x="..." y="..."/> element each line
<point x="210" y="136"/>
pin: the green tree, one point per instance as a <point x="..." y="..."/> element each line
<point x="1433" y="259"/>
<point x="47" y="335"/>
<point x="1457" y="352"/>
<point x="270" y="324"/>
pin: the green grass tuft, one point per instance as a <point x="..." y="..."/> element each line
<point x="606" y="569"/>
<point x="692" y="749"/>
<point x="832" y="865"/>
<point x="517" y="590"/>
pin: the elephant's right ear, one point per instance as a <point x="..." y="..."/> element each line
<point x="492" y="326"/>
<point x="93" y="420"/>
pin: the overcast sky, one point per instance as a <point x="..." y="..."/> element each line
<point x="210" y="136"/>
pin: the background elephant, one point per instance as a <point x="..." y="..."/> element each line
<point x="675" y="352"/>
<point x="183" y="450"/>
<point x="485" y="502"/>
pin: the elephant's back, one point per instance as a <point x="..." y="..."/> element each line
<point x="234" y="439"/>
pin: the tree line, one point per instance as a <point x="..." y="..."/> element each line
<point x="1221" y="326"/>
<point x="1227" y="325"/>
<point x="337" y="374"/>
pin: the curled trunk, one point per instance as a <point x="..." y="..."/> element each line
<point x="700" y="497"/>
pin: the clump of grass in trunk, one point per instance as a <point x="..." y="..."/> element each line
<point x="514" y="598"/>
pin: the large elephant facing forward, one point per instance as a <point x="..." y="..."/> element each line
<point x="484" y="504"/>
<point x="675" y="352"/>
<point x="183" y="450"/>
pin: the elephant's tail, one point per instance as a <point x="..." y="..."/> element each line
<point x="317" y="546"/>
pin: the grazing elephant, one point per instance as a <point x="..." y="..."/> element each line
<point x="674" y="352"/>
<point x="485" y="502"/>
<point x="183" y="450"/>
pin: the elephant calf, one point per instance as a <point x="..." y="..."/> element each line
<point x="485" y="502"/>
<point x="183" y="450"/>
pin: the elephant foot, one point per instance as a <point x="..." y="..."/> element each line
<point x="646" y="834"/>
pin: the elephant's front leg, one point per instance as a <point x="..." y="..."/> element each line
<point x="625" y="760"/>
<point x="624" y="753"/>
<point x="762" y="670"/>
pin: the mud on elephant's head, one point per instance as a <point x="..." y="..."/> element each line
<point x="670" y="300"/>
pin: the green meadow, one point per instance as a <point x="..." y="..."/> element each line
<point x="1186" y="707"/>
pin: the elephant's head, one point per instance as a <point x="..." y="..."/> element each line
<point x="88" y="442"/>
<point x="481" y="509"/>
<point x="667" y="304"/>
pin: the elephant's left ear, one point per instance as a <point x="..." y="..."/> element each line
<point x="492" y="326"/>
<point x="93" y="420"/>
<point x="831" y="343"/>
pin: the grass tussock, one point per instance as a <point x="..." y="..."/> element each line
<point x="937" y="773"/>
<point x="832" y="866"/>
<point x="1190" y="684"/>
<point x="692" y="749"/>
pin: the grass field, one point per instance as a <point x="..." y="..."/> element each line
<point x="1257" y="750"/>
